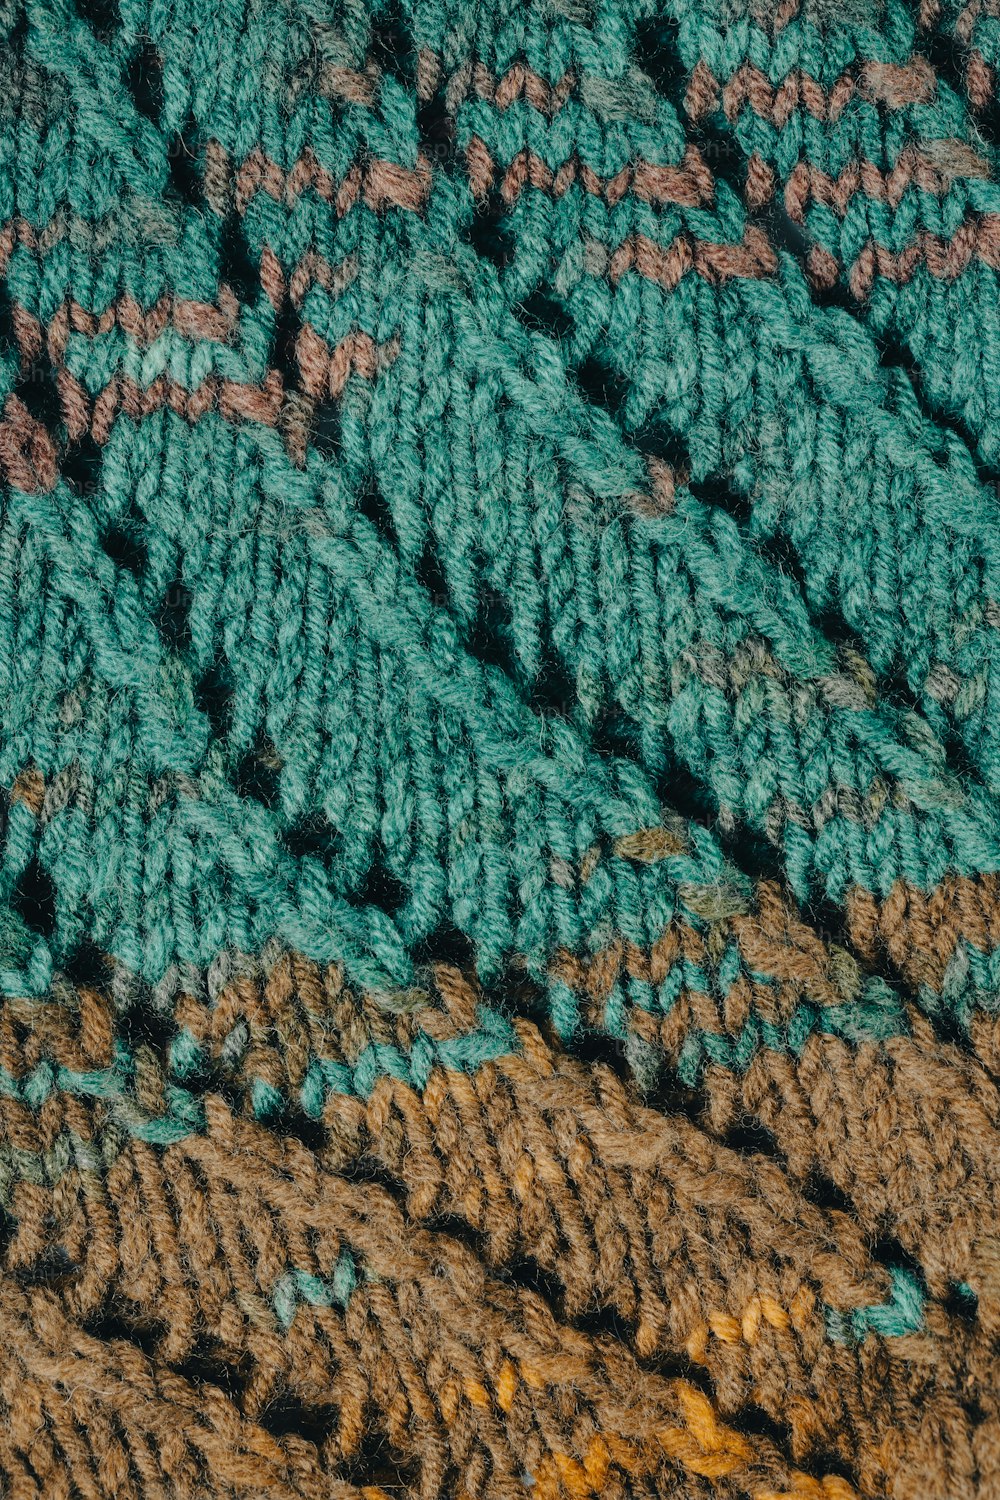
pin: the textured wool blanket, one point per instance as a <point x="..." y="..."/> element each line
<point x="499" y="749"/>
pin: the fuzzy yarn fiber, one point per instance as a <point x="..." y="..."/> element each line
<point x="499" y="749"/>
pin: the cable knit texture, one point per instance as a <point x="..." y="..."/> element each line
<point x="500" y="749"/>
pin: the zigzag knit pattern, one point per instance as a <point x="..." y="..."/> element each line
<point x="500" y="749"/>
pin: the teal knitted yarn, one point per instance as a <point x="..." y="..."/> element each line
<point x="413" y="585"/>
<point x="499" y="593"/>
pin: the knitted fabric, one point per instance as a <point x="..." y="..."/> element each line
<point x="500" y="749"/>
